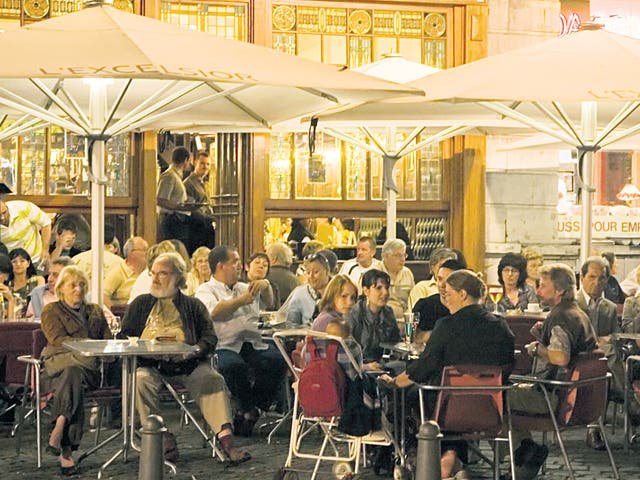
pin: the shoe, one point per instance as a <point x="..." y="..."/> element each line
<point x="68" y="471"/>
<point x="594" y="439"/>
<point x="53" y="451"/>
<point x="528" y="459"/>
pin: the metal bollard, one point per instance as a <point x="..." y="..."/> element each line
<point x="428" y="459"/>
<point x="152" y="449"/>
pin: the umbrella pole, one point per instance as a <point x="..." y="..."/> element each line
<point x="97" y="110"/>
<point x="391" y="192"/>
<point x="589" y="122"/>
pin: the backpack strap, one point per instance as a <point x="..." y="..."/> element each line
<point x="312" y="349"/>
<point x="332" y="351"/>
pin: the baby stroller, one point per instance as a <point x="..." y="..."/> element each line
<point x="313" y="412"/>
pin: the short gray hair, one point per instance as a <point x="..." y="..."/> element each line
<point x="63" y="261"/>
<point x="178" y="266"/>
<point x="68" y="273"/>
<point x="562" y="277"/>
<point x="281" y="253"/>
<point x="441" y="254"/>
<point x="393" y="245"/>
<point x="128" y="247"/>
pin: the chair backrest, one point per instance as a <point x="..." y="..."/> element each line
<point x="584" y="404"/>
<point x="521" y="325"/>
<point x="473" y="411"/>
<point x="15" y="340"/>
<point x="38" y="342"/>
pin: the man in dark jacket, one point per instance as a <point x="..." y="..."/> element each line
<point x="166" y="312"/>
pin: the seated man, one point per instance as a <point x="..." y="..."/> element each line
<point x="431" y="309"/>
<point x="166" y="311"/>
<point x="365" y="260"/>
<point x="565" y="333"/>
<point x="44" y="294"/>
<point x="120" y="280"/>
<point x="426" y="288"/>
<point x="251" y="368"/>
<point x="470" y="335"/>
<point x="394" y="257"/>
<point x="64" y="241"/>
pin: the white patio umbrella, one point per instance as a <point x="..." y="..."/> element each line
<point x="585" y="71"/>
<point x="391" y="114"/>
<point x="122" y="72"/>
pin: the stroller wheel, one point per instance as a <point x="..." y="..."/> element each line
<point x="343" y="470"/>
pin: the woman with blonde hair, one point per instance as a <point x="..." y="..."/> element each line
<point x="534" y="262"/>
<point x="70" y="318"/>
<point x="336" y="303"/>
<point x="200" y="271"/>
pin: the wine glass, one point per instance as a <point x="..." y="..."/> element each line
<point x="410" y="325"/>
<point x="115" y="325"/>
<point x="495" y="294"/>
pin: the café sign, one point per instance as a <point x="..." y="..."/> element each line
<point x="606" y="226"/>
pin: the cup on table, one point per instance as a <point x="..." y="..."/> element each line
<point x="534" y="307"/>
<point x="410" y="325"/>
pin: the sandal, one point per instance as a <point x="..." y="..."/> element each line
<point x="234" y="455"/>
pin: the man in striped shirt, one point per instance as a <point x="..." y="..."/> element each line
<point x="23" y="224"/>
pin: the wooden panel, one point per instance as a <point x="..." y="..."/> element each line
<point x="146" y="220"/>
<point x="255" y="197"/>
<point x="476" y="32"/>
<point x="474" y="168"/>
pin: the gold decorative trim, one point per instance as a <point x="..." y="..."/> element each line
<point x="360" y="22"/>
<point x="284" y="17"/>
<point x="435" y="25"/>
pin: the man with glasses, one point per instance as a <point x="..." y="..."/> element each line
<point x="251" y="368"/>
<point x="167" y="312"/>
<point x="394" y="257"/>
<point x="120" y="280"/>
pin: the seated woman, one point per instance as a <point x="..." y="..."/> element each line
<point x="471" y="335"/>
<point x="534" y="262"/>
<point x="336" y="303"/>
<point x="24" y="277"/>
<point x="512" y="275"/>
<point x="200" y="271"/>
<point x="257" y="268"/>
<point x="70" y="318"/>
<point x="372" y="321"/>
<point x="301" y="304"/>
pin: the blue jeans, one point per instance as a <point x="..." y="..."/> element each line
<point x="253" y="376"/>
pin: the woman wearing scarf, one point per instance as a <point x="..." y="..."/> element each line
<point x="70" y="318"/>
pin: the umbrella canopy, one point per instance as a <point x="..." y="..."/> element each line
<point x="594" y="67"/>
<point x="215" y="80"/>
<point x="100" y="72"/>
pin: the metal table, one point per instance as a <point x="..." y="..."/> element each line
<point x="129" y="353"/>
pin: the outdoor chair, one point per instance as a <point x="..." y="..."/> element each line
<point x="15" y="340"/>
<point x="582" y="402"/>
<point x="521" y="325"/>
<point x="471" y="406"/>
<point x="37" y="400"/>
<point x="345" y="450"/>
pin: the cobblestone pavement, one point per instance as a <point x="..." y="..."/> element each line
<point x="196" y="462"/>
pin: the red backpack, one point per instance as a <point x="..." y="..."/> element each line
<point x="322" y="383"/>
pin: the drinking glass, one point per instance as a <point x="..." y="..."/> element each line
<point x="115" y="325"/>
<point x="495" y="294"/>
<point x="410" y="326"/>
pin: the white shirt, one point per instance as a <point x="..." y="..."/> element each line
<point x="241" y="327"/>
<point x="355" y="271"/>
